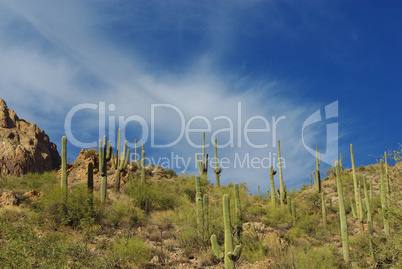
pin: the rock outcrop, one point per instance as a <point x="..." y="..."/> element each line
<point x="24" y="147"/>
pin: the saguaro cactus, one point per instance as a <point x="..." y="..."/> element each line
<point x="360" y="203"/>
<point x="342" y="216"/>
<point x="90" y="183"/>
<point x="120" y="161"/>
<point x="143" y="179"/>
<point x="356" y="188"/>
<point x="387" y="182"/>
<point x="203" y="164"/>
<point x="259" y="194"/>
<point x="281" y="189"/>
<point x="105" y="154"/>
<point x="198" y="202"/>
<point x="368" y="206"/>
<point x="217" y="170"/>
<point x="317" y="169"/>
<point x="90" y="180"/>
<point x="64" y="163"/>
<point x="238" y="212"/>
<point x="324" y="212"/>
<point x="135" y="151"/>
<point x="230" y="256"/>
<point x="384" y="203"/>
<point x="272" y="172"/>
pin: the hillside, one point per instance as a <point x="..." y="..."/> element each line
<point x="153" y="224"/>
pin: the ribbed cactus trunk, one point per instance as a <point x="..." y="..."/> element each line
<point x="356" y="189"/>
<point x="368" y="206"/>
<point x="272" y="172"/>
<point x="238" y="212"/>
<point x="384" y="203"/>
<point x="105" y="154"/>
<point x="387" y="182"/>
<point x="259" y="194"/>
<point x="64" y="185"/>
<point x="324" y="212"/>
<point x="143" y="179"/>
<point x="198" y="203"/>
<point x="90" y="183"/>
<point x="120" y="161"/>
<point x="217" y="170"/>
<point x="281" y="189"/>
<point x="342" y="216"/>
<point x="229" y="256"/>
<point x="205" y="205"/>
<point x="90" y="180"/>
<point x="135" y="151"/>
<point x="203" y="164"/>
<point x="359" y="188"/>
<point x="317" y="169"/>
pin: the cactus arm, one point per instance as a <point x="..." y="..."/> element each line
<point x="235" y="255"/>
<point x="215" y="247"/>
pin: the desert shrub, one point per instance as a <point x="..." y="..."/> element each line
<point x="22" y="248"/>
<point x="127" y="251"/>
<point x="171" y="173"/>
<point x="253" y="249"/>
<point x="279" y="215"/>
<point x="78" y="209"/>
<point x="310" y="257"/>
<point x="124" y="213"/>
<point x="152" y="196"/>
<point x="90" y="152"/>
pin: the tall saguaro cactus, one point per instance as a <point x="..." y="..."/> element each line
<point x="203" y="164"/>
<point x="143" y="179"/>
<point x="230" y="256"/>
<point x="272" y="172"/>
<point x="384" y="203"/>
<point x="238" y="212"/>
<point x="324" y="212"/>
<point x="317" y="169"/>
<point x="105" y="154"/>
<point x="120" y="162"/>
<point x="342" y="216"/>
<point x="64" y="163"/>
<point x="135" y="151"/>
<point x="217" y="170"/>
<point x="202" y="209"/>
<point x="281" y="189"/>
<point x="368" y="206"/>
<point x="356" y="188"/>
<point x="387" y="182"/>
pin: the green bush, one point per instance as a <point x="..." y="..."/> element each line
<point x="125" y="252"/>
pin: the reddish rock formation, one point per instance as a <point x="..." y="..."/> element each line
<point x="23" y="146"/>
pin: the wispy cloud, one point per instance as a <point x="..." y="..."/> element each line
<point x="58" y="55"/>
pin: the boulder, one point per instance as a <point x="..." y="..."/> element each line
<point x="23" y="146"/>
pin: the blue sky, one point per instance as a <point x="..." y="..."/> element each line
<point x="205" y="62"/>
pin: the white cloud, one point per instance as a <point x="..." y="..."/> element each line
<point x="77" y="64"/>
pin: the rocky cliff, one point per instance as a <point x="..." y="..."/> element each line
<point x="23" y="146"/>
